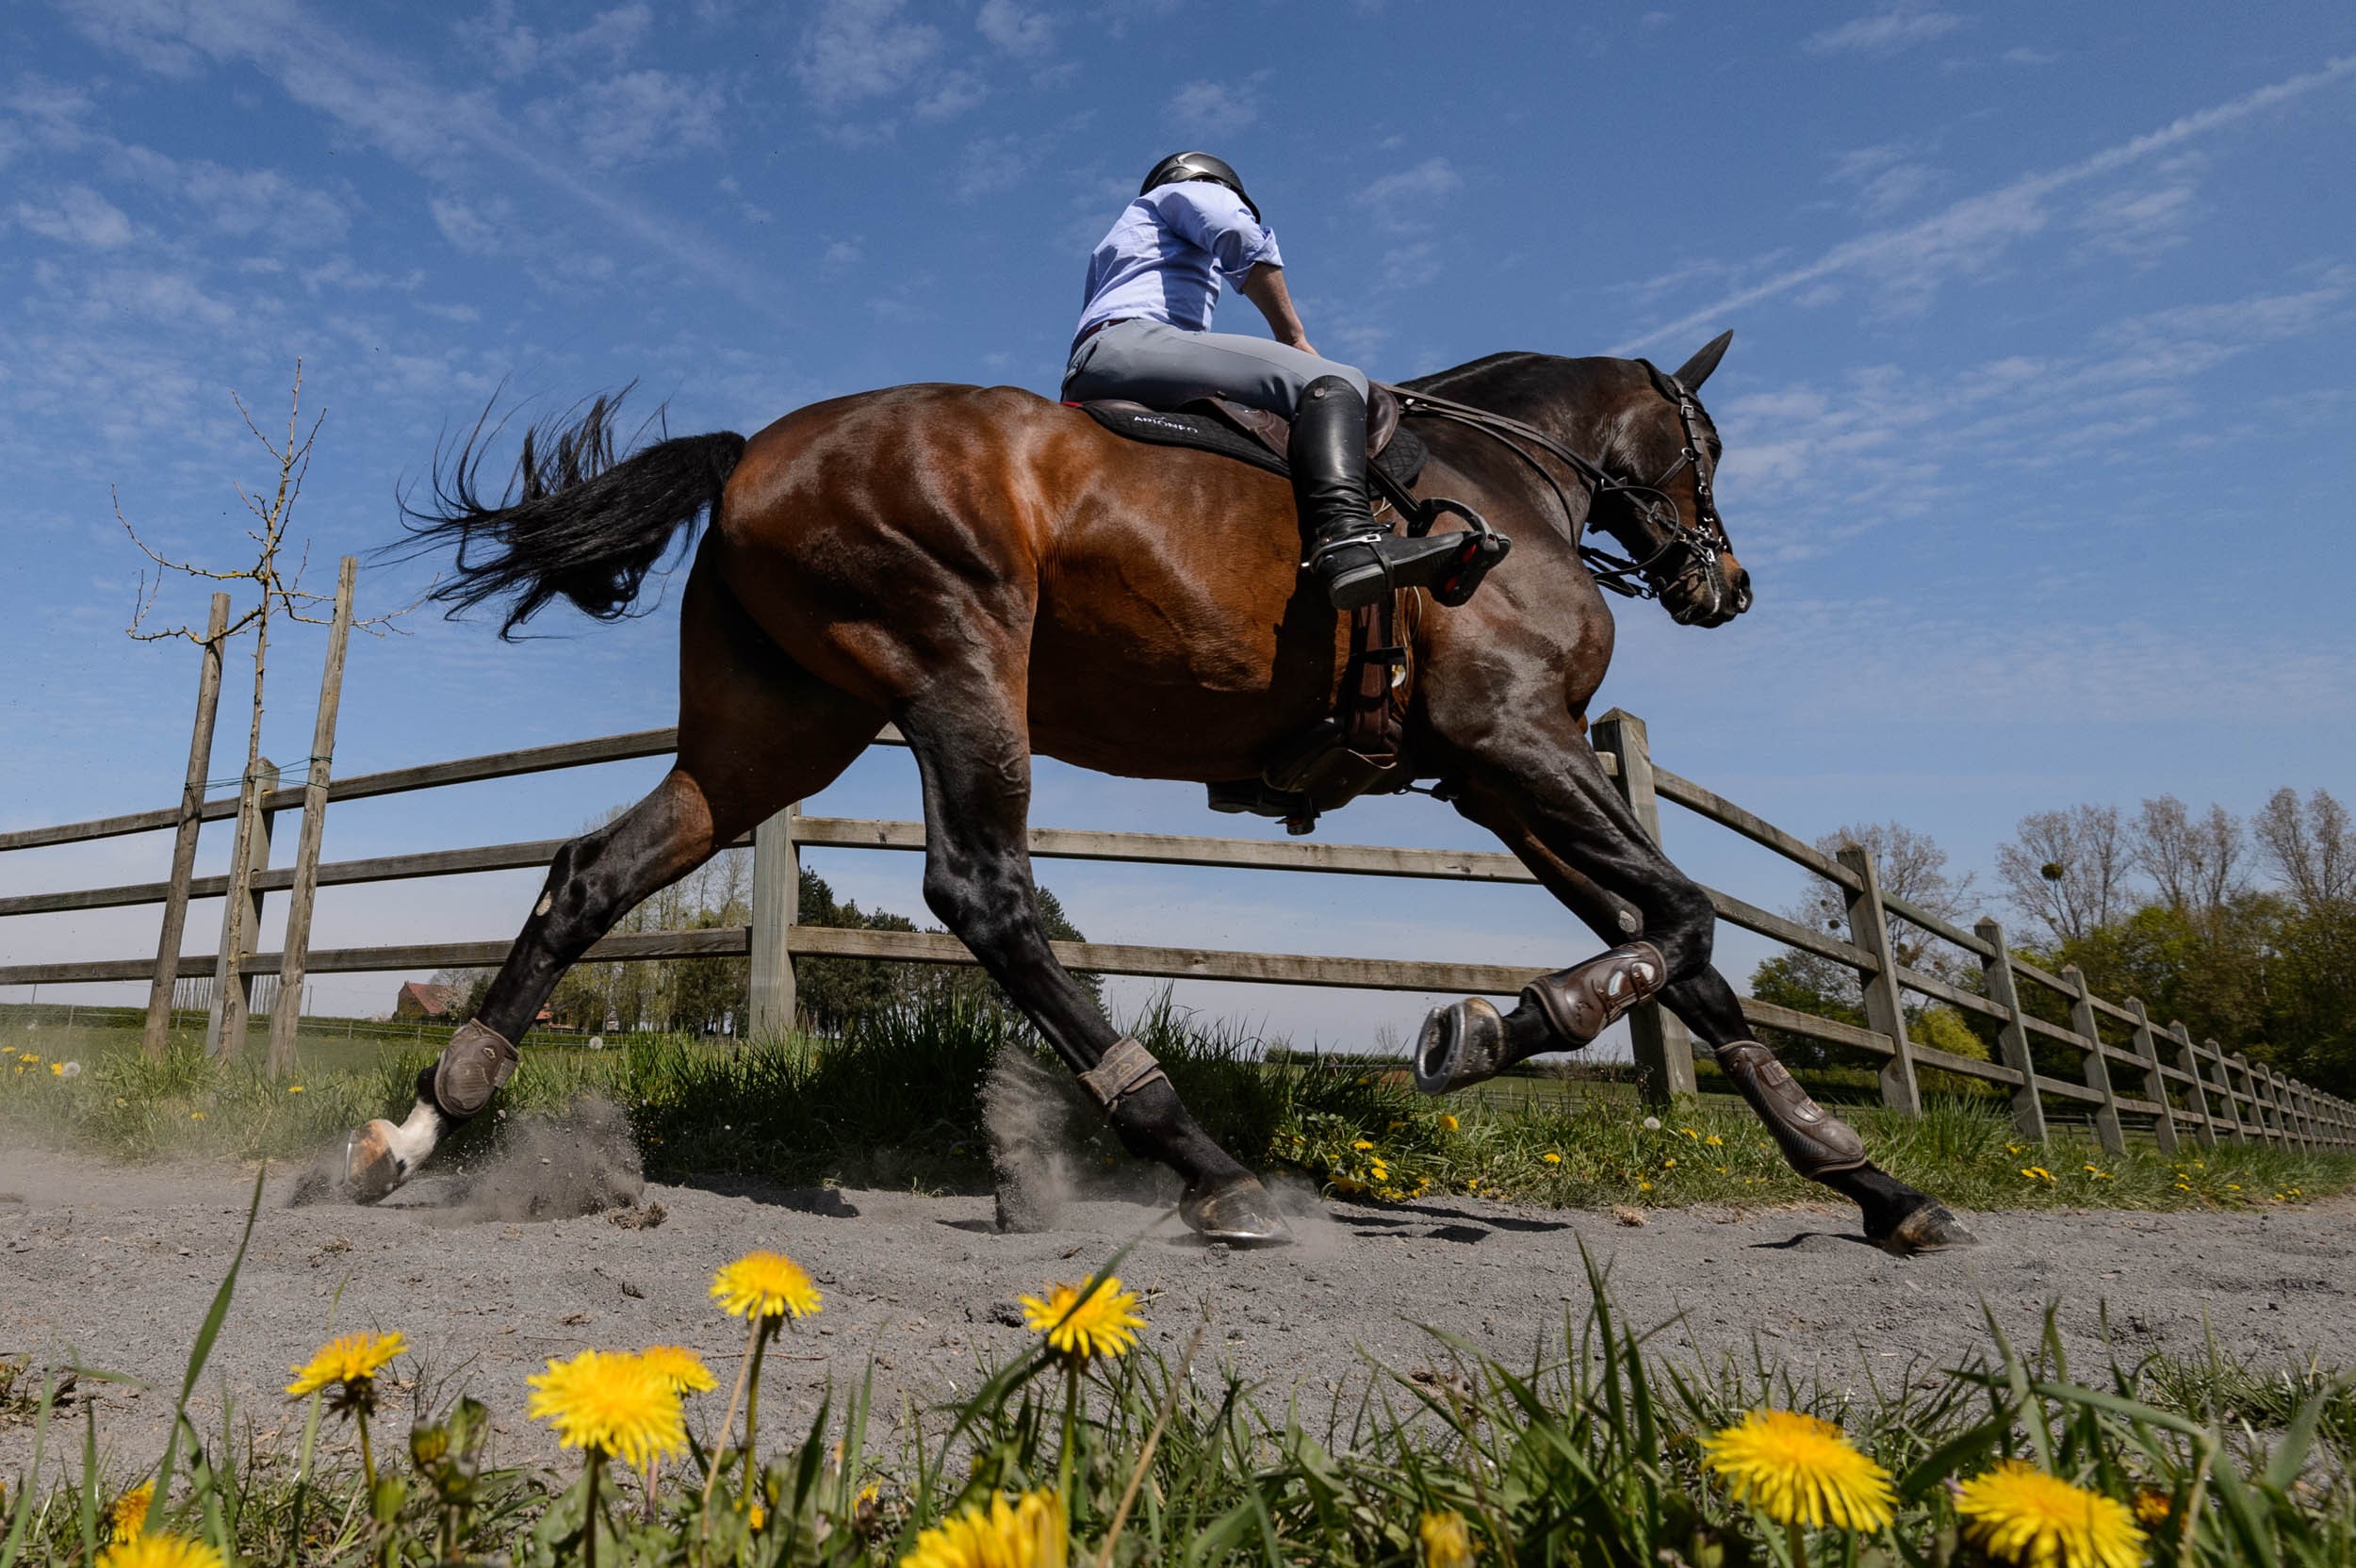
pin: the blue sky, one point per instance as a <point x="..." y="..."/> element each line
<point x="2037" y="418"/>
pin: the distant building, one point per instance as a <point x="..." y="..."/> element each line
<point x="419" y="1002"/>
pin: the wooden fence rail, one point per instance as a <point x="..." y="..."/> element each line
<point x="2117" y="1069"/>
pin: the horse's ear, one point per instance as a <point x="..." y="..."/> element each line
<point x="1696" y="371"/>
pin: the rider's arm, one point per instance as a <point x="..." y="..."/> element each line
<point x="1263" y="285"/>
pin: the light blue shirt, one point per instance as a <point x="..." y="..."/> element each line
<point x="1165" y="256"/>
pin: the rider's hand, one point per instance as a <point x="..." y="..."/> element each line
<point x="1303" y="345"/>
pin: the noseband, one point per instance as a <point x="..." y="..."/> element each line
<point x="1703" y="541"/>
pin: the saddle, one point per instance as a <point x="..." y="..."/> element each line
<point x="1355" y="750"/>
<point x="1258" y="437"/>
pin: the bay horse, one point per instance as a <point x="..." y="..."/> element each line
<point x="1000" y="577"/>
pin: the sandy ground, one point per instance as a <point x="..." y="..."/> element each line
<point x="115" y="1265"/>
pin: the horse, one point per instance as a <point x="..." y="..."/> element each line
<point x="1001" y="577"/>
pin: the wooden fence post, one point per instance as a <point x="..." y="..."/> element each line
<point x="2285" y="1118"/>
<point x="1663" y="1051"/>
<point x="2098" y="1068"/>
<point x="2012" y="1039"/>
<point x="2266" y="1132"/>
<point x="2225" y="1086"/>
<point x="1885" y="1005"/>
<point x="2154" y="1082"/>
<point x="776" y="904"/>
<point x="2188" y="1059"/>
<point x="233" y="989"/>
<point x="287" y="1017"/>
<point x="156" y="1034"/>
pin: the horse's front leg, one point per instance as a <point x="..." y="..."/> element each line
<point x="1545" y="795"/>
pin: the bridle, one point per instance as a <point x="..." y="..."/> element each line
<point x="1702" y="541"/>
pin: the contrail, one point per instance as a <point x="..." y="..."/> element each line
<point x="378" y="94"/>
<point x="2017" y="197"/>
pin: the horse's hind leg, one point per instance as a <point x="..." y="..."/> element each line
<point x="972" y="748"/>
<point x="1543" y="791"/>
<point x="755" y="733"/>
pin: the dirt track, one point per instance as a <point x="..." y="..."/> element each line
<point x="118" y="1264"/>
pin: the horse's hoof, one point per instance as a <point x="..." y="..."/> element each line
<point x="371" y="1170"/>
<point x="1462" y="1043"/>
<point x="1238" y="1211"/>
<point x="1928" y="1229"/>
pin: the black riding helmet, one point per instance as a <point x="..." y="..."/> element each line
<point x="1180" y="166"/>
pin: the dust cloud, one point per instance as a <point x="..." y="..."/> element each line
<point x="537" y="1167"/>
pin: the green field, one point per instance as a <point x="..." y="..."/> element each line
<point x="896" y="1100"/>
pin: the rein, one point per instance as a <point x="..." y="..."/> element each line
<point x="1631" y="578"/>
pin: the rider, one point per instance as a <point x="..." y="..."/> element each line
<point x="1144" y="335"/>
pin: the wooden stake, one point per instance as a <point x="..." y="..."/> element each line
<point x="288" y="1015"/>
<point x="156" y="1034"/>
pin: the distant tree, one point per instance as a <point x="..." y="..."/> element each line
<point x="2311" y="847"/>
<point x="2195" y="861"/>
<point x="471" y="985"/>
<point x="2067" y="871"/>
<point x="1910" y="865"/>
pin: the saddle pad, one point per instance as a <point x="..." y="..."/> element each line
<point x="1401" y="462"/>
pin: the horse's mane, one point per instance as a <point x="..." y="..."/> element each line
<point x="1460" y="381"/>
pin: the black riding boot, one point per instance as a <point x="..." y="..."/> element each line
<point x="1358" y="559"/>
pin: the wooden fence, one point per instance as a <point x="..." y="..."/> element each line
<point x="2174" y="1086"/>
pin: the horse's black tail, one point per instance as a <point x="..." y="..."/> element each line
<point x="573" y="520"/>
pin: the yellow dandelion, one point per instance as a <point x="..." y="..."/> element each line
<point x="1447" y="1540"/>
<point x="159" y="1551"/>
<point x="56" y="1070"/>
<point x="1449" y="1123"/>
<point x="2019" y="1515"/>
<point x="2152" y="1505"/>
<point x="196" y="1115"/>
<point x="1643" y="1187"/>
<point x="1669" y="1164"/>
<point x="1362" y="1146"/>
<point x="1031" y="1533"/>
<point x="1715" y="1141"/>
<point x="347" y="1360"/>
<point x="127" y="1516"/>
<point x="765" y="1284"/>
<point x="680" y="1367"/>
<point x="1105" y="1324"/>
<point x="1551" y="1157"/>
<point x="609" y="1401"/>
<point x="1381" y="1174"/>
<point x="294" y="1089"/>
<point x="1795" y="1468"/>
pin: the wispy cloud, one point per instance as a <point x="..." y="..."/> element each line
<point x="1022" y="31"/>
<point x="379" y="96"/>
<point x="1217" y="108"/>
<point x="1405" y="200"/>
<point x="1967" y="236"/>
<point x="862" y="49"/>
<point x="76" y="215"/>
<point x="1820" y="464"/>
<point x="1886" y="32"/>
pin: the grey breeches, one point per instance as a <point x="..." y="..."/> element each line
<point x="1163" y="366"/>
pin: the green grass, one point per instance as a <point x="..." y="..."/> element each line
<point x="1589" y="1453"/>
<point x="897" y="1101"/>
